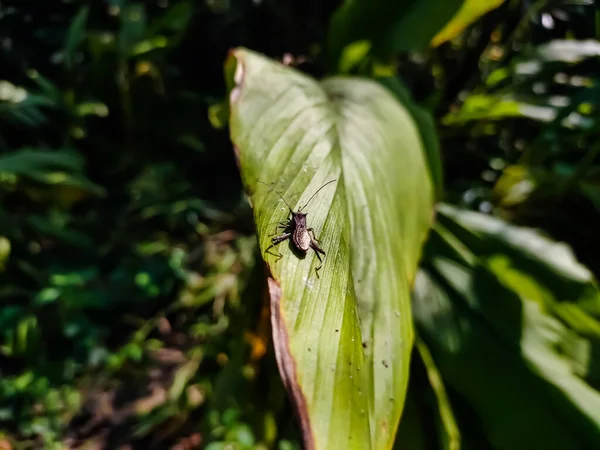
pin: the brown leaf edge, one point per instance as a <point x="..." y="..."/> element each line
<point x="287" y="364"/>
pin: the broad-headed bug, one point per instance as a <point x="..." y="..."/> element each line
<point x="295" y="228"/>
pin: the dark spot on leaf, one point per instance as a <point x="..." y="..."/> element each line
<point x="337" y="331"/>
<point x="309" y="349"/>
<point x="335" y="96"/>
<point x="385" y="363"/>
<point x="364" y="344"/>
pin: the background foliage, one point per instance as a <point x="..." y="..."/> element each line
<point x="130" y="284"/>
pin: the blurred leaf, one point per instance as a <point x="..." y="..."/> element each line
<point x="469" y="12"/>
<point x="449" y="432"/>
<point x="75" y="35"/>
<point x="218" y="115"/>
<point x="11" y="93"/>
<point x="60" y="167"/>
<point x="92" y="109"/>
<point x="342" y="340"/>
<point x="148" y="45"/>
<point x="592" y="192"/>
<point x="133" y="26"/>
<point x="353" y="56"/>
<point x="488" y="288"/>
<point x="19" y="107"/>
<point x="9" y="316"/>
<point x="571" y="51"/>
<point x="182" y="377"/>
<point x="4" y="252"/>
<point x="515" y="186"/>
<point x="49" y="90"/>
<point x="175" y="19"/>
<point x="480" y="107"/>
<point x="389" y="26"/>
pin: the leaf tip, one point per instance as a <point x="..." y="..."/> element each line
<point x="234" y="70"/>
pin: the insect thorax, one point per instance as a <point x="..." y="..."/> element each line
<point x="299" y="219"/>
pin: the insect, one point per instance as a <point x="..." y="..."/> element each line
<point x="295" y="228"/>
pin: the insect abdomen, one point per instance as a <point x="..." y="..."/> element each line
<point x="302" y="239"/>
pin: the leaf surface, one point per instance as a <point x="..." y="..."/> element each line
<point x="504" y="309"/>
<point x="343" y="339"/>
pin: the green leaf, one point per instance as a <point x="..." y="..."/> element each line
<point x="390" y="26"/>
<point x="427" y="404"/>
<point x="133" y="26"/>
<point x="571" y="51"/>
<point x="469" y="12"/>
<point x="75" y="35"/>
<point x="343" y="340"/>
<point x="4" y="252"/>
<point x="504" y="309"/>
<point x="61" y="167"/>
<point x="20" y="107"/>
<point x="449" y="433"/>
<point x="479" y="107"/>
<point x="427" y="129"/>
<point x="175" y="19"/>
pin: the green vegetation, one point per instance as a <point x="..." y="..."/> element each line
<point x="135" y="307"/>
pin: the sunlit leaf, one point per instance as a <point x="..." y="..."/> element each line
<point x="571" y="51"/>
<point x="505" y="307"/>
<point x="427" y="129"/>
<point x="469" y="12"/>
<point x="343" y="339"/>
<point x="498" y="107"/>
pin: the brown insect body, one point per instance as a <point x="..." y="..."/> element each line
<point x="295" y="228"/>
<point x="302" y="239"/>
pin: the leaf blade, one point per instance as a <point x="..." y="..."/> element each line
<point x="491" y="288"/>
<point x="297" y="134"/>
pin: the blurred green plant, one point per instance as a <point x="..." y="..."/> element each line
<point x="131" y="285"/>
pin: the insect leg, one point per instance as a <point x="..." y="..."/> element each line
<point x="282" y="225"/>
<point x="276" y="240"/>
<point x="318" y="251"/>
<point x="277" y="229"/>
<point x="311" y="230"/>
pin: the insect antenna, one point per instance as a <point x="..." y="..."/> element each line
<point x="313" y="196"/>
<point x="270" y="187"/>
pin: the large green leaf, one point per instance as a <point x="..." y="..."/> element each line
<point x="389" y="26"/>
<point x="382" y="27"/>
<point x="343" y="340"/>
<point x="427" y="128"/>
<point x="507" y="310"/>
